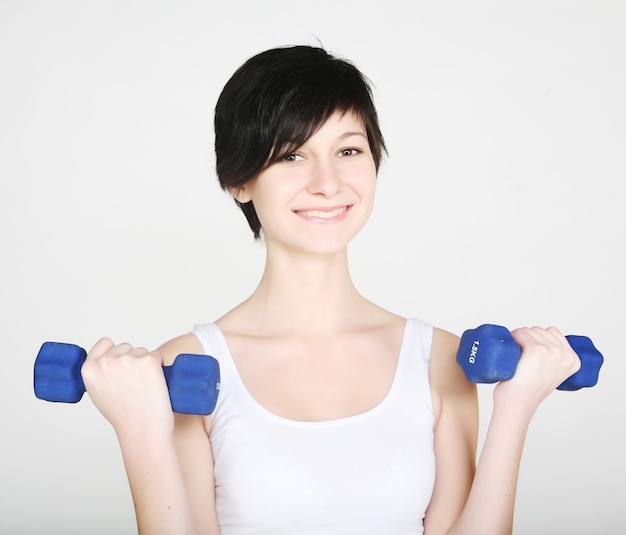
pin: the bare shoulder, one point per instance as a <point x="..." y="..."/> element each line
<point x="186" y="343"/>
<point x="443" y="357"/>
<point x="446" y="376"/>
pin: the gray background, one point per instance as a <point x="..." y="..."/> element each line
<point x="501" y="202"/>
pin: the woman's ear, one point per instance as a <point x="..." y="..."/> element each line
<point x="240" y="193"/>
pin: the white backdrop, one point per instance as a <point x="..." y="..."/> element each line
<point x="501" y="202"/>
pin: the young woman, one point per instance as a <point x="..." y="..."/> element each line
<point x="334" y="416"/>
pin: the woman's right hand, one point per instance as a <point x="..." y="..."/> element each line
<point x="128" y="387"/>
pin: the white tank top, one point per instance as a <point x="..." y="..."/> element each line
<point x="372" y="473"/>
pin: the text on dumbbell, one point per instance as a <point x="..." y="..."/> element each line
<point x="474" y="352"/>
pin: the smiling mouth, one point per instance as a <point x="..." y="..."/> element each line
<point x="330" y="215"/>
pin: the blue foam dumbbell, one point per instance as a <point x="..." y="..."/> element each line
<point x="489" y="354"/>
<point x="193" y="381"/>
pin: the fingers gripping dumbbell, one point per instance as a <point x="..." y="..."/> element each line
<point x="489" y="354"/>
<point x="193" y="381"/>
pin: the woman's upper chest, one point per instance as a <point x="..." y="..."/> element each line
<point x="319" y="378"/>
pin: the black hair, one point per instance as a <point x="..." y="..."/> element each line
<point x="275" y="102"/>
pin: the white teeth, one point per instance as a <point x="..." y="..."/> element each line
<point x="320" y="214"/>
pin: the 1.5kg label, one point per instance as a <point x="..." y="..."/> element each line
<point x="473" y="352"/>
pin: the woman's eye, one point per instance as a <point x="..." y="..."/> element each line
<point x="349" y="152"/>
<point x="292" y="158"/>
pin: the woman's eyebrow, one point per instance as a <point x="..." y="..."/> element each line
<point x="350" y="134"/>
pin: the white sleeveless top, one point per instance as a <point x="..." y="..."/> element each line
<point x="372" y="473"/>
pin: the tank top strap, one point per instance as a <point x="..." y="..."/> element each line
<point x="214" y="344"/>
<point x="412" y="383"/>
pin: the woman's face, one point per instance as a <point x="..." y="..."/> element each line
<point x="318" y="197"/>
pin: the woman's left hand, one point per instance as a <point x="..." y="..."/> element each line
<point x="546" y="361"/>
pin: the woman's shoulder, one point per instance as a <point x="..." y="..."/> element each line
<point x="185" y="343"/>
<point x="445" y="343"/>
<point x="448" y="382"/>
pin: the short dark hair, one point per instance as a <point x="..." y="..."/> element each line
<point x="275" y="102"/>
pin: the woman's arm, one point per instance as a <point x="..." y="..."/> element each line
<point x="157" y="486"/>
<point x="547" y="360"/>
<point x="193" y="448"/>
<point x="128" y="386"/>
<point x="455" y="402"/>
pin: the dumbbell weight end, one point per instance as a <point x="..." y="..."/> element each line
<point x="57" y="372"/>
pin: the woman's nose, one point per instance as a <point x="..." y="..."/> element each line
<point x="325" y="179"/>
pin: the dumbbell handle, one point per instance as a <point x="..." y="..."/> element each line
<point x="489" y="354"/>
<point x="193" y="381"/>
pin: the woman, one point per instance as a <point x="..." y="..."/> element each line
<point x="335" y="416"/>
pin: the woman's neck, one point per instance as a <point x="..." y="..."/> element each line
<point x="311" y="294"/>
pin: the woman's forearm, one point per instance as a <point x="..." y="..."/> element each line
<point x="157" y="486"/>
<point x="547" y="360"/>
<point x="490" y="505"/>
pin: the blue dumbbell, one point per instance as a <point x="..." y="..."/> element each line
<point x="489" y="354"/>
<point x="193" y="381"/>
